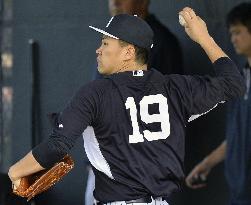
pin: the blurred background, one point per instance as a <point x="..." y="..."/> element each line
<point x="48" y="52"/>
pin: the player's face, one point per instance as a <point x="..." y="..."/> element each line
<point x="109" y="56"/>
<point x="123" y="7"/>
<point x="241" y="39"/>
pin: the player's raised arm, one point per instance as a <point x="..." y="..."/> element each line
<point x="196" y="29"/>
<point x="203" y="93"/>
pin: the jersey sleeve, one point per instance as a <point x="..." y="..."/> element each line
<point x="200" y="94"/>
<point x="68" y="125"/>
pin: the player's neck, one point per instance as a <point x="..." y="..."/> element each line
<point x="131" y="67"/>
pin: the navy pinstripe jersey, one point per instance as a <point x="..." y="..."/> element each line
<point x="133" y="124"/>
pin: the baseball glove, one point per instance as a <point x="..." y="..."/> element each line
<point x="34" y="184"/>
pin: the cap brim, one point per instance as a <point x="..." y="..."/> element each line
<point x="103" y="32"/>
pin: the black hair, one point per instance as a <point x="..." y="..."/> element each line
<point x="240" y="14"/>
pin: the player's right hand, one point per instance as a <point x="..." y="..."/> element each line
<point x="197" y="177"/>
<point x="195" y="27"/>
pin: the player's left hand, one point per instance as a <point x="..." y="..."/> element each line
<point x="16" y="183"/>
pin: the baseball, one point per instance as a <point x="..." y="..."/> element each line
<point x="182" y="20"/>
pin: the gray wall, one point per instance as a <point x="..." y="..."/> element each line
<point x="67" y="59"/>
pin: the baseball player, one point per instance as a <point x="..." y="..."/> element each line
<point x="133" y="121"/>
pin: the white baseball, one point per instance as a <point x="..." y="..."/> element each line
<point x="182" y="20"/>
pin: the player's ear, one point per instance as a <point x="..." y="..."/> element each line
<point x="129" y="52"/>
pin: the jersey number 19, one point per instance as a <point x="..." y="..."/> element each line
<point x="162" y="117"/>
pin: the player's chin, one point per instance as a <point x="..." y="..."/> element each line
<point x="101" y="70"/>
<point x="239" y="51"/>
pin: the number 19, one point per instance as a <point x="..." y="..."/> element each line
<point x="162" y="117"/>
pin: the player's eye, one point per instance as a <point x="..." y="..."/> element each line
<point x="235" y="32"/>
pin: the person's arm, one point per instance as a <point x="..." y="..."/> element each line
<point x="202" y="169"/>
<point x="26" y="166"/>
<point x="67" y="127"/>
<point x="217" y="156"/>
<point x="200" y="94"/>
<point x="196" y="29"/>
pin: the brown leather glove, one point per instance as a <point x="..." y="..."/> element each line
<point x="39" y="182"/>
